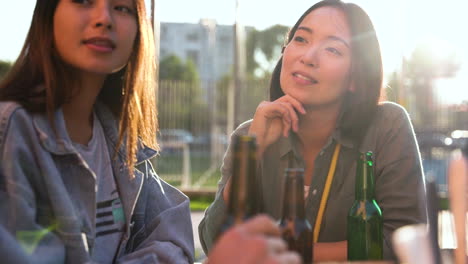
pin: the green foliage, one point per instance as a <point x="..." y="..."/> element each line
<point x="222" y="87"/>
<point x="182" y="106"/>
<point x="251" y="92"/>
<point x="180" y="88"/>
<point x="263" y="48"/>
<point x="444" y="203"/>
<point x="200" y="203"/>
<point x="172" y="68"/>
<point x="4" y="68"/>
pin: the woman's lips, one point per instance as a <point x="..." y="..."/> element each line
<point x="303" y="78"/>
<point x="100" y="44"/>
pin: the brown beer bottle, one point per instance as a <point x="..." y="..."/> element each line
<point x="296" y="230"/>
<point x="244" y="196"/>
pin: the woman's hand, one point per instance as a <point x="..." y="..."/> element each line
<point x="273" y="119"/>
<point x="255" y="241"/>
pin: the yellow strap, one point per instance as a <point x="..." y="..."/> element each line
<point x="326" y="191"/>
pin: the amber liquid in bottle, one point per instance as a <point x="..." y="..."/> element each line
<point x="296" y="230"/>
<point x="244" y="196"/>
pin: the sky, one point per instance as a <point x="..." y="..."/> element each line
<point x="400" y="24"/>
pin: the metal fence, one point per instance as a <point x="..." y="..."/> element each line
<point x="194" y="130"/>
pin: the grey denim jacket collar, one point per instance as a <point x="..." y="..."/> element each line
<point x="61" y="143"/>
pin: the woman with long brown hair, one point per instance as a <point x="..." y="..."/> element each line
<point x="78" y="130"/>
<point x="325" y="109"/>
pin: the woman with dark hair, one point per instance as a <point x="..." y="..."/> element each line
<point x="78" y="118"/>
<point x="324" y="106"/>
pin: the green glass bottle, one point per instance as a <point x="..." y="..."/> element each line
<point x="296" y="230"/>
<point x="245" y="195"/>
<point x="365" y="222"/>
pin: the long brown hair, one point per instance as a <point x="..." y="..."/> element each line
<point x="41" y="82"/>
<point x="366" y="69"/>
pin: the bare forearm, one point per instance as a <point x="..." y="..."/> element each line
<point x="333" y="251"/>
<point x="457" y="189"/>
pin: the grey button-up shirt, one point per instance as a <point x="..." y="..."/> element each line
<point x="399" y="181"/>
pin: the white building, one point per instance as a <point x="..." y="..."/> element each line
<point x="208" y="45"/>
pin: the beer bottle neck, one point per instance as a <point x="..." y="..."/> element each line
<point x="242" y="199"/>
<point x="365" y="179"/>
<point x="294" y="196"/>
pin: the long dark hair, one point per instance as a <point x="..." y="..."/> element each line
<point x="366" y="69"/>
<point x="41" y="82"/>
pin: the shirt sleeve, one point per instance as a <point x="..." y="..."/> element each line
<point x="22" y="238"/>
<point x="400" y="186"/>
<point x="214" y="215"/>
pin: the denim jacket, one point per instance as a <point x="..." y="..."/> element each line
<point x="44" y="180"/>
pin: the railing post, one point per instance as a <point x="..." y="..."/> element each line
<point x="186" y="169"/>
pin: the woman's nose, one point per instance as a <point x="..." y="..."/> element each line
<point x="310" y="58"/>
<point x="103" y="15"/>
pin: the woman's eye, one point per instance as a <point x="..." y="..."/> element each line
<point x="299" y="39"/>
<point x="84" y="2"/>
<point x="125" y="9"/>
<point x="334" y="51"/>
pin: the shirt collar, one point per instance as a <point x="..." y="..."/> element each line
<point x="56" y="142"/>
<point x="291" y="144"/>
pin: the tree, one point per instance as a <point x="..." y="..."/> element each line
<point x="179" y="100"/>
<point x="4" y="68"/>
<point x="415" y="89"/>
<point x="263" y="48"/>
<point x="252" y="91"/>
<point x="172" y="68"/>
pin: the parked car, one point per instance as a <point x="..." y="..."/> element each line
<point x="203" y="142"/>
<point x="172" y="141"/>
<point x="460" y="138"/>
<point x="434" y="140"/>
<point x="175" y="135"/>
